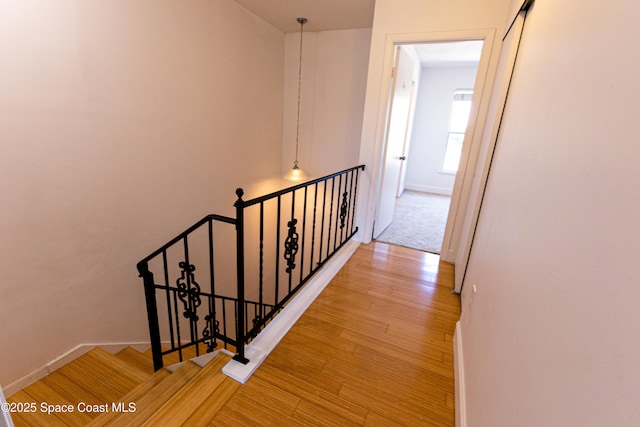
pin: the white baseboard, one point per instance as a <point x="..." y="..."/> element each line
<point x="67" y="357"/>
<point x="458" y="367"/>
<point x="264" y="343"/>
<point x="428" y="189"/>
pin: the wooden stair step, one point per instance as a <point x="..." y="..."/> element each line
<point x="213" y="403"/>
<point x="69" y="389"/>
<point x="95" y="378"/>
<point x="150" y="395"/>
<point x="187" y="353"/>
<point x="41" y="393"/>
<point x="178" y="409"/>
<point x="103" y="374"/>
<point x="134" y="358"/>
<point x="35" y="418"/>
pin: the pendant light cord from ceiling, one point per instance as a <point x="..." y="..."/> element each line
<point x="302" y="21"/>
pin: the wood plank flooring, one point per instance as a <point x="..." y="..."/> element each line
<point x="375" y="349"/>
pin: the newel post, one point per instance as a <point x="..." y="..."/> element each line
<point x="240" y="326"/>
<point x="152" y="313"/>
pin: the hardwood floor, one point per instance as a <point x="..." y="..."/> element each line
<point x="375" y="349"/>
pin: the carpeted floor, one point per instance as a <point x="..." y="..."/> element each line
<point x="418" y="222"/>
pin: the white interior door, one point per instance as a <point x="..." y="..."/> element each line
<point x="398" y="120"/>
<point x="407" y="139"/>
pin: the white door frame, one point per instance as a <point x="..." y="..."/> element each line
<point x="473" y="136"/>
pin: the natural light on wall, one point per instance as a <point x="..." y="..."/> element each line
<point x="460" y="109"/>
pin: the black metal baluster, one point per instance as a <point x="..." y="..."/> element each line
<point x="212" y="277"/>
<point x="165" y="266"/>
<point x="304" y="232"/>
<point x="240" y="277"/>
<point x="335" y="236"/>
<point x="261" y="267"/>
<point x="235" y="316"/>
<point x="179" y="334"/>
<point x="152" y="314"/>
<point x="246" y="319"/>
<point x="345" y="208"/>
<point x="290" y="249"/>
<point x="355" y="195"/>
<point x="210" y="330"/>
<point x="333" y="191"/>
<point x="189" y="303"/>
<point x="322" y="225"/>
<point x="256" y="319"/>
<point x="224" y="320"/>
<point x="211" y="316"/>
<point x="193" y="296"/>
<point x="313" y="228"/>
<point x="277" y="278"/>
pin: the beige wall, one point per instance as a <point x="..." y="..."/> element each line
<point x="121" y="123"/>
<point x="551" y="337"/>
<point x="334" y="78"/>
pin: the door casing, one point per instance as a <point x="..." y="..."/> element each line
<point x="473" y="136"/>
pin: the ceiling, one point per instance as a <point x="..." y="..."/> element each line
<point x="323" y="15"/>
<point x="328" y="15"/>
<point x="449" y="54"/>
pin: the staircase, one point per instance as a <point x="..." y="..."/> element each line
<point x="99" y="389"/>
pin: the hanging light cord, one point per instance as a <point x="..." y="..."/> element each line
<point x="302" y="21"/>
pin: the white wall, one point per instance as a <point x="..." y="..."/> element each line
<point x="431" y="127"/>
<point x="121" y="123"/>
<point x="402" y="21"/>
<point x="551" y="338"/>
<point x="332" y="99"/>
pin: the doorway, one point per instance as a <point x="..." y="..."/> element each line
<point x="424" y="140"/>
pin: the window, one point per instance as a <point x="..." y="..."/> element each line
<point x="460" y="109"/>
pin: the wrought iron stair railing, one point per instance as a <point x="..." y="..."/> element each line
<point x="202" y="291"/>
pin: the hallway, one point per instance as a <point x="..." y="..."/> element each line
<point x="375" y="348"/>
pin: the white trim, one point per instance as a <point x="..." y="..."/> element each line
<point x="264" y="343"/>
<point x="68" y="357"/>
<point x="428" y="189"/>
<point x="5" y="417"/>
<point x="458" y="368"/>
<point x="374" y="146"/>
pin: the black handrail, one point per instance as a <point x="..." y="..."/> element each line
<point x="206" y="219"/>
<point x="282" y="239"/>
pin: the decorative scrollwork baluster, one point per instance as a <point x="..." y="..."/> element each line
<point x="210" y="331"/>
<point x="291" y="246"/>
<point x="256" y="322"/>
<point x="343" y="210"/>
<point x="189" y="291"/>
